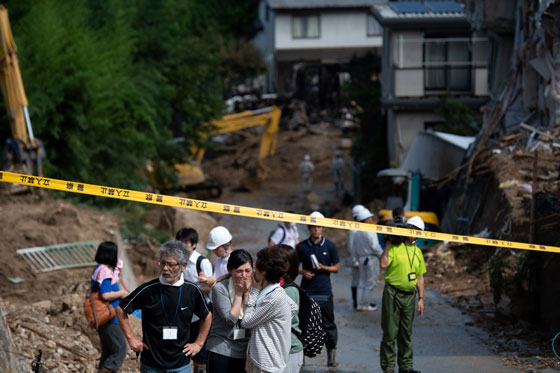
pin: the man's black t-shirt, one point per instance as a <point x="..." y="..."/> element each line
<point x="165" y="354"/>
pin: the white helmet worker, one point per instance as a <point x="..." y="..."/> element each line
<point x="316" y="214"/>
<point x="218" y="236"/>
<point x="363" y="214"/>
<point x="416" y="222"/>
<point x="356" y="209"/>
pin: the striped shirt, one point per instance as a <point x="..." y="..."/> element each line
<point x="270" y="324"/>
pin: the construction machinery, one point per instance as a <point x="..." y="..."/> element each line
<point x="191" y="177"/>
<point x="23" y="152"/>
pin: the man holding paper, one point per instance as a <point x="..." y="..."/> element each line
<point x="319" y="258"/>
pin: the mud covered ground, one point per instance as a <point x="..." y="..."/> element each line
<point x="44" y="310"/>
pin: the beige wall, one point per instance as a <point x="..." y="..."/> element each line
<point x="409" y="83"/>
<point x="407" y="125"/>
<point x="407" y="49"/>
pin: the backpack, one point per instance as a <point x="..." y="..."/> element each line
<point x="312" y="335"/>
<point x="274" y="231"/>
<point x="199" y="265"/>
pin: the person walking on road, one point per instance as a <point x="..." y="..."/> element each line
<point x="404" y="277"/>
<point x="337" y="167"/>
<point x="168" y="304"/>
<point x="355" y="264"/>
<point x="366" y="253"/>
<point x="319" y="258"/>
<point x="105" y="280"/>
<point x="306" y="169"/>
<point x="197" y="266"/>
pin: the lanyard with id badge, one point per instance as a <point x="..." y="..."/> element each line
<point x="412" y="275"/>
<point x="170" y="331"/>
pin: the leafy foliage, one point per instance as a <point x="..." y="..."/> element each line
<point x="363" y="92"/>
<point x="458" y="118"/>
<point x="111" y="82"/>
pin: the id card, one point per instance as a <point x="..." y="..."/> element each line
<point x="169" y="332"/>
<point x="412" y="276"/>
<point x="239" y="333"/>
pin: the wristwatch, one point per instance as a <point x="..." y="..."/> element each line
<point x="420" y="298"/>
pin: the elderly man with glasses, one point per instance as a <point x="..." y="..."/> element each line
<point x="167" y="304"/>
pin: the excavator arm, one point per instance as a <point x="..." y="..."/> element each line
<point x="23" y="151"/>
<point x="268" y="117"/>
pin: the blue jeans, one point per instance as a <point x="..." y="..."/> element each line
<point x="148" y="369"/>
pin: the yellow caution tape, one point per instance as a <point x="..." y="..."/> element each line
<point x="252" y="212"/>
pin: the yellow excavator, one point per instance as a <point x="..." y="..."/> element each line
<point x="23" y="152"/>
<point x="191" y="177"/>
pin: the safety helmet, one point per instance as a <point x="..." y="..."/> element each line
<point x="306" y="157"/>
<point x="363" y="214"/>
<point x="356" y="209"/>
<point x="416" y="222"/>
<point x="316" y="214"/>
<point x="218" y="236"/>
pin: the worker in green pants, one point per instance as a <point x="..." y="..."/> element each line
<point x="404" y="277"/>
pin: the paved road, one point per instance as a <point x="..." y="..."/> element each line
<point x="442" y="340"/>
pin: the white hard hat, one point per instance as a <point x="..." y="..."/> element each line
<point x="417" y="222"/>
<point x="363" y="214"/>
<point x="306" y="157"/>
<point x="356" y="209"/>
<point x="218" y="236"/>
<point x="317" y="214"/>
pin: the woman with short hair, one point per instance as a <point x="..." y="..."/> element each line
<point x="268" y="313"/>
<point x="295" y="358"/>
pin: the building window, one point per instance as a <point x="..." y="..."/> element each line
<point x="447" y="64"/>
<point x="373" y="27"/>
<point x="305" y="26"/>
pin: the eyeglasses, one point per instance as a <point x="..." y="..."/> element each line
<point x="162" y="264"/>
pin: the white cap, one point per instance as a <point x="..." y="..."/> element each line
<point x="218" y="236"/>
<point x="417" y="222"/>
<point x="317" y="214"/>
<point x="363" y="214"/>
<point x="356" y="209"/>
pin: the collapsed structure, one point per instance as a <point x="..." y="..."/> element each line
<point x="509" y="188"/>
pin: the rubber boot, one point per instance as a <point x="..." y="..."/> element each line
<point x="355" y="296"/>
<point x="331" y="362"/>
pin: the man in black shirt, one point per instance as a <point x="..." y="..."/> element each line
<point x="167" y="304"/>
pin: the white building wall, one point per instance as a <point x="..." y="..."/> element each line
<point x="337" y="30"/>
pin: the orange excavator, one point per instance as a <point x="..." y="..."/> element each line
<point x="23" y="152"/>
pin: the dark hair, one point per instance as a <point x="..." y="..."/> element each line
<point x="398" y="211"/>
<point x="239" y="257"/>
<point x="273" y="262"/>
<point x="107" y="253"/>
<point x="293" y="261"/>
<point x="187" y="234"/>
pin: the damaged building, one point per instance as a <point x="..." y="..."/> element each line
<point x="429" y="51"/>
<point x="509" y="186"/>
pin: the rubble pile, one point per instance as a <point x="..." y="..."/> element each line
<point x="58" y="328"/>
